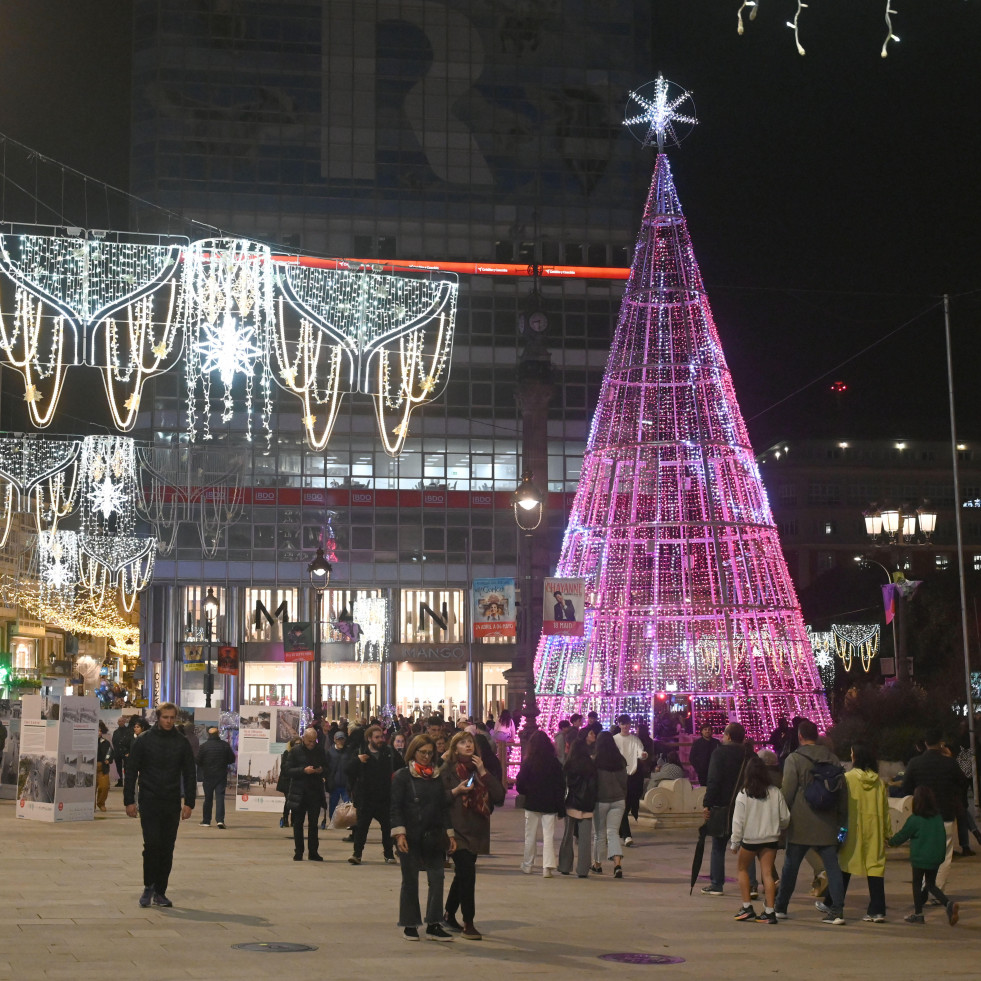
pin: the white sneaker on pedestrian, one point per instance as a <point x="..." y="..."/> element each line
<point x="628" y="841"/>
<point x="546" y="873"/>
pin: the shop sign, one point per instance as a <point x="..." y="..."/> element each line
<point x="452" y="652"/>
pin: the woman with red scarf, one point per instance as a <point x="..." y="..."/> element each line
<point x="420" y="817"/>
<point x="473" y="793"/>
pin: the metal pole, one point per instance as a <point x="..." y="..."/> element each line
<point x="960" y="553"/>
<point x="209" y="681"/>
<point x="318" y="691"/>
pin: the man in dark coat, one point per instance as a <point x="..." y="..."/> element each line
<point x="162" y="762"/>
<point x="369" y="775"/>
<point x="725" y="767"/>
<point x="306" y="769"/>
<point x="701" y="752"/>
<point x="122" y="739"/>
<point x="946" y="779"/>
<point x="214" y="758"/>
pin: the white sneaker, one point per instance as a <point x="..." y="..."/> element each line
<point x="546" y="873"/>
<point x="526" y="869"/>
<point x="628" y="841"/>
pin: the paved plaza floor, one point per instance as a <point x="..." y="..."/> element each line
<point x="68" y="909"/>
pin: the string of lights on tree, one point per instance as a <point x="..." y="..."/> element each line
<point x="237" y="317"/>
<point x="753" y="6"/>
<point x="689" y="592"/>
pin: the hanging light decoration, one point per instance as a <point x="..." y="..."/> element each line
<point x="229" y="315"/>
<point x="72" y="291"/>
<point x="371" y="614"/>
<point x="859" y="640"/>
<point x="37" y="475"/>
<point x="57" y="568"/>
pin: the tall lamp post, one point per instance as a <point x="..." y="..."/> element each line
<point x="891" y="529"/>
<point x="319" y="572"/>
<point x="210" y="613"/>
<point x="529" y="505"/>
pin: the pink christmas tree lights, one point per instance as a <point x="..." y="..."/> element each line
<point x="688" y="590"/>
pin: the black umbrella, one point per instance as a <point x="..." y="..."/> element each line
<point x="696" y="861"/>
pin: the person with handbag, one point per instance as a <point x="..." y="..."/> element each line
<point x="473" y="792"/>
<point x="583" y="789"/>
<point x="420" y="818"/>
<point x="370" y="776"/>
<point x="306" y="768"/>
<point x="724" y="779"/>
<point x="542" y="785"/>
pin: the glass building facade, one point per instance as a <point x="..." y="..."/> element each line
<point x="383" y="130"/>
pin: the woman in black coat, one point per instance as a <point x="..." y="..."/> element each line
<point x="540" y="780"/>
<point x="420" y="817"/>
<point x="580" y="800"/>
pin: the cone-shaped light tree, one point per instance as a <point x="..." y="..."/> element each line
<point x="688" y="592"/>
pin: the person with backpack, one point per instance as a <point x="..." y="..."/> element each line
<point x="814" y="789"/>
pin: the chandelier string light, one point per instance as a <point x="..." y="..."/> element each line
<point x="859" y="640"/>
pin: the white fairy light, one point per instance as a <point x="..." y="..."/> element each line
<point x="739" y="14"/>
<point x="889" y="34"/>
<point x="654" y="125"/>
<point x="371" y="614"/>
<point x="38" y="475"/>
<point x="794" y="25"/>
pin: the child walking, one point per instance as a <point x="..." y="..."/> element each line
<point x="760" y="815"/>
<point x="924" y="830"/>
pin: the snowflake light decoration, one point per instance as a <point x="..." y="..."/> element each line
<point x="655" y="123"/>
<point x="107" y="498"/>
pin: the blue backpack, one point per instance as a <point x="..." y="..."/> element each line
<point x="824" y="783"/>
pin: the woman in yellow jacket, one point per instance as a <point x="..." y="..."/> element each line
<point x="864" y="850"/>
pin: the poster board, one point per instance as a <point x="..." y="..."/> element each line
<point x="263" y="735"/>
<point x="56" y="765"/>
<point x="10" y="710"/>
<point x="563" y="607"/>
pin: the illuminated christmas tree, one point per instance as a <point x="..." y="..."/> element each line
<point x="688" y="592"/>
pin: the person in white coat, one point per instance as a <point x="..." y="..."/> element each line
<point x="632" y="750"/>
<point x="760" y="816"/>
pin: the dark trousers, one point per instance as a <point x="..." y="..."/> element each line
<point x="877" y="893"/>
<point x="119" y="766"/>
<point x="462" y="895"/>
<point x="924" y="883"/>
<point x="413" y="862"/>
<point x="336" y="796"/>
<point x="214" y="793"/>
<point x="310" y="808"/>
<point x="160" y="820"/>
<point x="366" y="814"/>
<point x="581" y="828"/>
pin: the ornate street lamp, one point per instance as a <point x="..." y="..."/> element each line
<point x="210" y="613"/>
<point x="319" y="572"/>
<point x="527" y="503"/>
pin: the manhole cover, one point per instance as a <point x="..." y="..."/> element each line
<point x="642" y="958"/>
<point x="274" y="948"/>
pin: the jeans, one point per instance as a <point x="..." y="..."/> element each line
<point x="877" y="893"/>
<point x="585" y="830"/>
<point x="791" y="864"/>
<point x="413" y="862"/>
<point x="606" y="824"/>
<point x="534" y="819"/>
<point x="160" y="820"/>
<point x="214" y="791"/>
<point x="379" y="813"/>
<point x="950" y="827"/>
<point x="310" y="808"/>
<point x="717" y="866"/>
<point x="463" y="888"/>
<point x="336" y="796"/>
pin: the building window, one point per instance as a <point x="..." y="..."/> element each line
<point x="825" y="561"/>
<point x="942" y="561"/>
<point x="276" y="605"/>
<point x="977" y="563"/>
<point x="431" y="616"/>
<point x="787" y="495"/>
<point x="829" y="527"/>
<point x="787" y="529"/>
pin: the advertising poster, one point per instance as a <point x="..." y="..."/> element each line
<point x="263" y="735"/>
<point x="56" y="768"/>
<point x="228" y="660"/>
<point x="564" y="601"/>
<point x="9" y="747"/>
<point x="493" y="608"/>
<point x="193" y="658"/>
<point x="298" y="642"/>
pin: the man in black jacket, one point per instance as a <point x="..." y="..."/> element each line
<point x="945" y="778"/>
<point x="306" y="768"/>
<point x="122" y="739"/>
<point x="162" y="761"/>
<point x="701" y="753"/>
<point x="214" y="758"/>
<point x="720" y="791"/>
<point x="370" y="775"/>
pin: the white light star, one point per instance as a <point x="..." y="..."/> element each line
<point x="823" y="659"/>
<point x="107" y="498"/>
<point x="658" y="113"/>
<point x="228" y="348"/>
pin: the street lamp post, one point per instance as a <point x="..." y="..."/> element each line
<point x="891" y="529"/>
<point x="319" y="572"/>
<point x="528" y="504"/>
<point x="210" y="612"/>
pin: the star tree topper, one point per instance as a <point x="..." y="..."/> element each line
<point x="655" y="122"/>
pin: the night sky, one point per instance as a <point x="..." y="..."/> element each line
<point x="832" y="198"/>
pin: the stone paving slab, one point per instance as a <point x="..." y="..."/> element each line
<point x="68" y="908"/>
